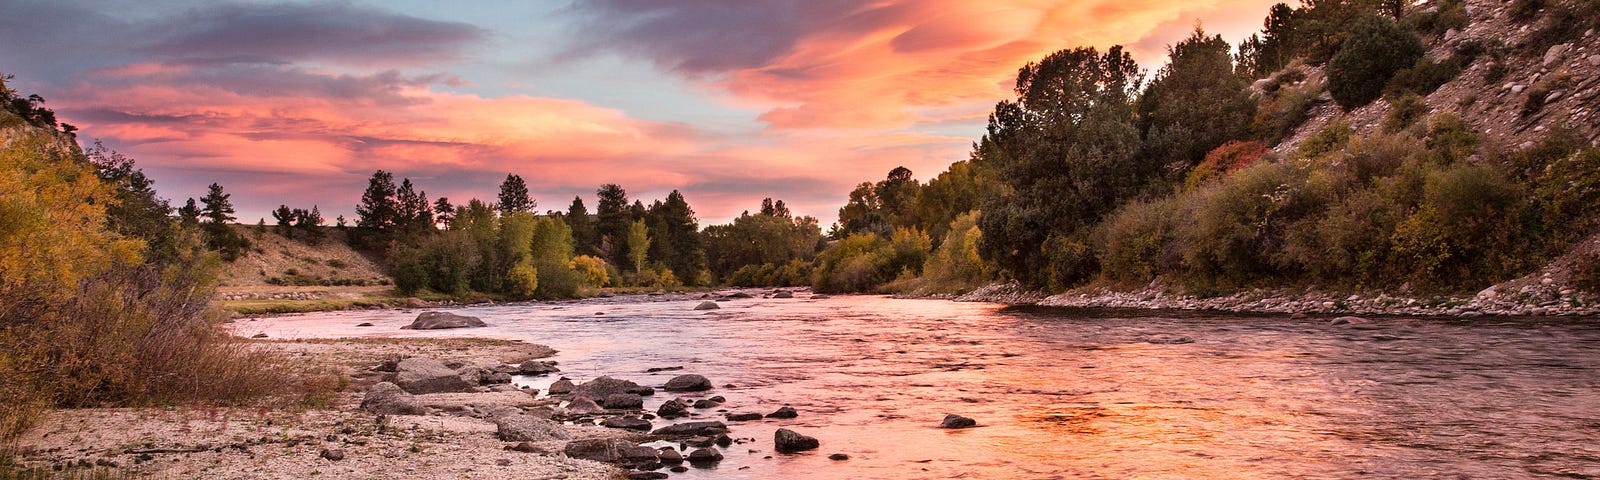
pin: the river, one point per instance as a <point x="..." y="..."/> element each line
<point x="1082" y="394"/>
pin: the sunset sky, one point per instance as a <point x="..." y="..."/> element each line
<point x="728" y="101"/>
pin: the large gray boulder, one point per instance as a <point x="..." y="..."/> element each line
<point x="525" y="428"/>
<point x="957" y="421"/>
<point x="419" y="375"/>
<point x="600" y="388"/>
<point x="443" y="320"/>
<point x="787" y="441"/>
<point x="609" y="450"/>
<point x="687" y="383"/>
<point x="692" y="428"/>
<point x="623" y="401"/>
<point x="707" y="306"/>
<point x="389" y="399"/>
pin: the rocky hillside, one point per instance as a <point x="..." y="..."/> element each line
<point x="1513" y="92"/>
<point x="279" y="261"/>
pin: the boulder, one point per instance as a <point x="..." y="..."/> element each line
<point x="419" y="375"/>
<point x="609" y="450"/>
<point x="669" y="455"/>
<point x="600" y="388"/>
<point x="707" y="306"/>
<point x="626" y="423"/>
<point x="443" y="320"/>
<point x="584" y="406"/>
<point x="333" y="454"/>
<point x="1347" y="321"/>
<point x="525" y="428"/>
<point x="957" y="421"/>
<point x="364" y="324"/>
<point x="706" y="403"/>
<point x="743" y="417"/>
<point x="389" y="399"/>
<point x="561" y="387"/>
<point x="642" y="475"/>
<point x="703" y="456"/>
<point x="1554" y="54"/>
<point x="739" y="295"/>
<point x="687" y="383"/>
<point x="787" y="441"/>
<point x="687" y="429"/>
<point x="673" y="409"/>
<point x="783" y="294"/>
<point x="623" y="401"/>
<point x="838" y="456"/>
<point x="526" y="447"/>
<point x="820" y="297"/>
<point x="536" y="367"/>
<point x="785" y="412"/>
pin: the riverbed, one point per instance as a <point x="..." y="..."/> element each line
<point x="1079" y="393"/>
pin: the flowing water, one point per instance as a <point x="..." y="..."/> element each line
<point x="1083" y="394"/>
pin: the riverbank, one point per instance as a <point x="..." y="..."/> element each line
<point x="455" y="438"/>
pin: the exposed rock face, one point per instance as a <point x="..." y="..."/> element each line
<point x="524" y="428"/>
<point x="443" y="320"/>
<point x="707" y="306"/>
<point x="692" y="428"/>
<point x="787" y="441"/>
<point x="419" y="375"/>
<point x="957" y="421"/>
<point x="687" y="383"/>
<point x="389" y="399"/>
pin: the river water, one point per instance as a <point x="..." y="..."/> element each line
<point x="1082" y="394"/>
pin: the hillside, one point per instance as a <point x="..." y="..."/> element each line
<point x="276" y="260"/>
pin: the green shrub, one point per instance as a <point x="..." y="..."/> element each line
<point x="1332" y="137"/>
<point x="1404" y="112"/>
<point x="1287" y="110"/>
<point x="1238" y="227"/>
<point x="1137" y="242"/>
<point x="955" y="266"/>
<point x="1375" y="49"/>
<point x="1450" y="138"/>
<point x="1541" y="90"/>
<point x="1424" y="77"/>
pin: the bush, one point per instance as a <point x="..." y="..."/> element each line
<point x="1229" y="157"/>
<point x="591" y="269"/>
<point x="1405" y="111"/>
<point x="1375" y="49"/>
<point x="1542" y="89"/>
<point x="1424" y="77"/>
<point x="1138" y="241"/>
<point x="955" y="266"/>
<point x="1331" y="138"/>
<point x="1450" y="138"/>
<point x="1287" y="110"/>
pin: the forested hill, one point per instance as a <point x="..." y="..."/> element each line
<point x="1349" y="146"/>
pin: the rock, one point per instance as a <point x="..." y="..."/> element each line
<point x="642" y="391"/>
<point x="364" y="324"/>
<point x="1553" y="55"/>
<point x="1594" y="60"/>
<point x="785" y="412"/>
<point x="333" y="454"/>
<point x="387" y="398"/>
<point x="838" y="456"/>
<point x="679" y="469"/>
<point x="525" y="447"/>
<point x="494" y="378"/>
<point x="443" y="320"/>
<point x="687" y="383"/>
<point x="637" y="454"/>
<point x="718" y="398"/>
<point x="704" y="455"/>
<point x="535" y="367"/>
<point x="526" y="428"/>
<point x="647" y="475"/>
<point x="584" y="406"/>
<point x="820" y="297"/>
<point x="723" y="440"/>
<point x="706" y="403"/>
<point x="1347" y="321"/>
<point x="259" y="335"/>
<point x="1518" y="88"/>
<point x="1169" y="340"/>
<point x="617" y="401"/>
<point x="783" y="294"/>
<point x="662" y="369"/>
<point x="626" y="423"/>
<point x="743" y="417"/>
<point x="504" y="462"/>
<point x="607" y="450"/>
<point x="957" y="421"/>
<point x="669" y="455"/>
<point x="424" y="375"/>
<point x="738" y="295"/>
<point x="673" y="409"/>
<point x="787" y="441"/>
<point x="600" y="388"/>
<point x="707" y="306"/>
<point x="561" y="387"/>
<point x="687" y="429"/>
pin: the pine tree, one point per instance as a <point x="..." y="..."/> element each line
<point x="443" y="211"/>
<point x="611" y="223"/>
<point x="285" y="218"/>
<point x="218" y="211"/>
<point x="514" y="196"/>
<point x="378" y="207"/>
<point x="189" y="214"/>
<point x="577" y="218"/>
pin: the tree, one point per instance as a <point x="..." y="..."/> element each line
<point x="514" y="196"/>
<point x="189" y="214"/>
<point x="611" y="223"/>
<point x="1261" y="55"/>
<point x="755" y="240"/>
<point x="218" y="211"/>
<point x="686" y="254"/>
<point x="285" y="218"/>
<point x="310" y="222"/>
<point x="1194" y="104"/>
<point x="638" y="244"/>
<point x="897" y="196"/>
<point x="862" y="213"/>
<point x="583" y="229"/>
<point x="443" y="211"/>
<point x="137" y="211"/>
<point x="1064" y="155"/>
<point x="378" y="208"/>
<point x="1376" y="49"/>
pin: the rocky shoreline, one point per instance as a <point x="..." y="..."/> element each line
<point x="1539" y="296"/>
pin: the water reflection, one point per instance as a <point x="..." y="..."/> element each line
<point x="1086" y="394"/>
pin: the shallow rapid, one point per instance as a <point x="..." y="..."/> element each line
<point x="1081" y="394"/>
